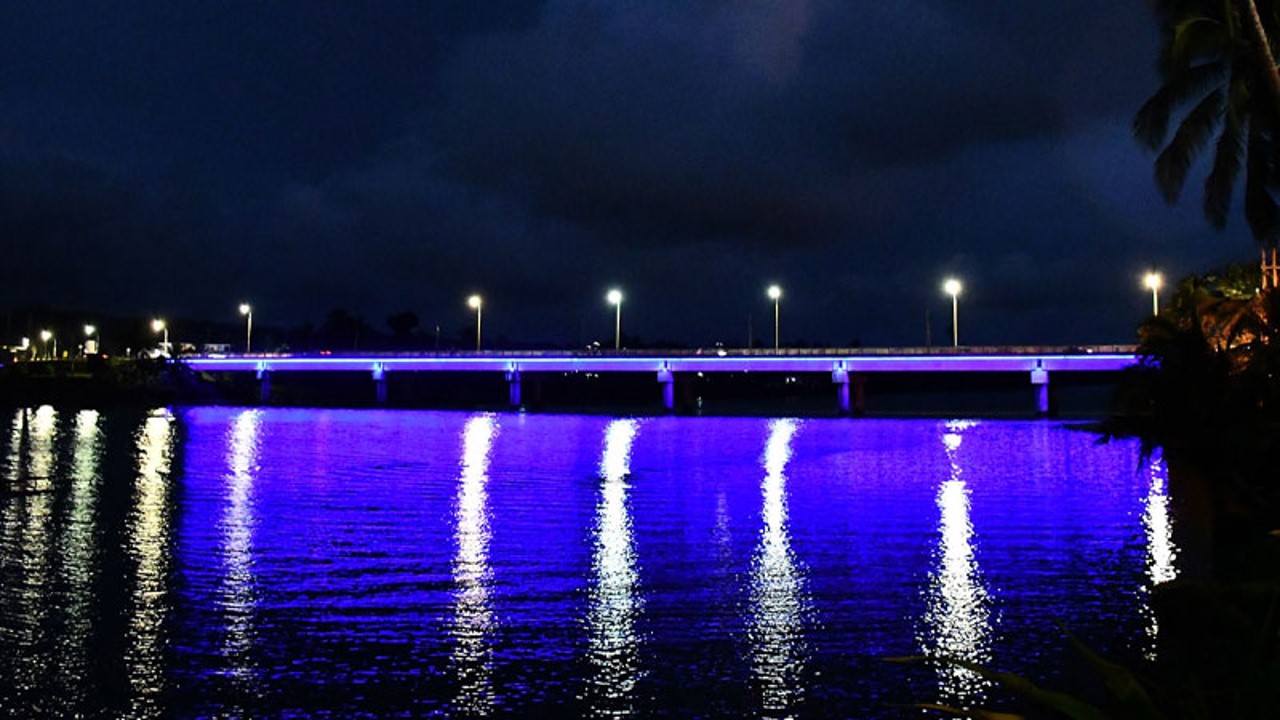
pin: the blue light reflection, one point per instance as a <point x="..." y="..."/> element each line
<point x="231" y="562"/>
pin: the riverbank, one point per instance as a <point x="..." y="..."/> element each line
<point x="99" y="382"/>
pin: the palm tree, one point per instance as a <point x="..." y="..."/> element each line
<point x="1218" y="63"/>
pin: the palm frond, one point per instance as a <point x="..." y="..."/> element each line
<point x="1151" y="124"/>
<point x="1259" y="206"/>
<point x="1227" y="154"/>
<point x="1195" y="40"/>
<point x="1193" y="132"/>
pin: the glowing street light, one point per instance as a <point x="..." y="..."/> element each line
<point x="1153" y="281"/>
<point x="45" y="337"/>
<point x="247" y="311"/>
<point x="475" y="302"/>
<point x="952" y="287"/>
<point x="89" y="330"/>
<point x="615" y="298"/>
<point x="159" y="326"/>
<point x="775" y="294"/>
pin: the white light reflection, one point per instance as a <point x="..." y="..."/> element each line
<point x="615" y="602"/>
<point x="1162" y="553"/>
<point x="13" y="473"/>
<point x="238" y="598"/>
<point x="29" y="519"/>
<point x="79" y="553"/>
<point x="148" y="541"/>
<point x="40" y="469"/>
<point x="778" y="598"/>
<point x="958" y="622"/>
<point x="473" y="621"/>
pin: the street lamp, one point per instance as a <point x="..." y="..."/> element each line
<point x="1153" y="281"/>
<point x="775" y="294"/>
<point x="45" y="337"/>
<point x="953" y="287"/>
<point x="475" y="302"/>
<point x="247" y="311"/>
<point x="159" y="326"/>
<point x="615" y="298"/>
<point x="89" y="330"/>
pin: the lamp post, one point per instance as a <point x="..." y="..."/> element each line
<point x="615" y="298"/>
<point x="475" y="302"/>
<point x="89" y="330"/>
<point x="953" y="287"/>
<point x="46" y="336"/>
<point x="775" y="294"/>
<point x="159" y="326"/>
<point x="247" y="311"/>
<point x="1153" y="281"/>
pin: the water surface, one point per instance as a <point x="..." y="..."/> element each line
<point x="341" y="563"/>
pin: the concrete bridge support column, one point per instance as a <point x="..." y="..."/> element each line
<point x="513" y="388"/>
<point x="380" y="382"/>
<point x="840" y="377"/>
<point x="668" y="381"/>
<point x="264" y="385"/>
<point x="1040" y="378"/>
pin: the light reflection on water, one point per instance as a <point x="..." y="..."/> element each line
<point x="1162" y="552"/>
<point x="149" y="532"/>
<point x="958" y="618"/>
<point x="28" y="524"/>
<point x="473" y="620"/>
<point x="238" y="598"/>
<point x="80" y="563"/>
<point x="778" y="605"/>
<point x="615" y="600"/>
<point x="229" y="562"/>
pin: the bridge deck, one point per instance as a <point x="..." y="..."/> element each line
<point x="1095" y="359"/>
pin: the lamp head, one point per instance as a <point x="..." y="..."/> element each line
<point x="775" y="292"/>
<point x="952" y="287"/>
<point x="614" y="297"/>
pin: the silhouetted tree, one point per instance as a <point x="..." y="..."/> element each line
<point x="341" y="331"/>
<point x="1217" y="60"/>
<point x="402" y="325"/>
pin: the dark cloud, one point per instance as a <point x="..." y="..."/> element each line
<point x="159" y="156"/>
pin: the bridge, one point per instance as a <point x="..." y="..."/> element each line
<point x="1038" y="363"/>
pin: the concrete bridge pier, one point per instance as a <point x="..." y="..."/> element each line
<point x="1040" y="378"/>
<point x="513" y="388"/>
<point x="264" y="385"/>
<point x="840" y="376"/>
<point x="668" y="381"/>
<point x="380" y="382"/>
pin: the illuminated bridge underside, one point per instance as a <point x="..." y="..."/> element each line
<point x="1038" y="364"/>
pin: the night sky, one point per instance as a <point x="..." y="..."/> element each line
<point x="178" y="158"/>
